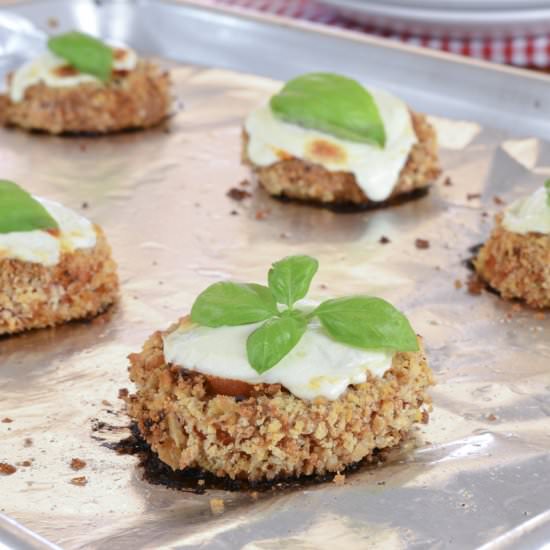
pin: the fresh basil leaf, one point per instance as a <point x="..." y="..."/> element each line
<point x="233" y="304"/>
<point x="367" y="322"/>
<point x="272" y="341"/>
<point x="289" y="278"/>
<point x="333" y="104"/>
<point x="84" y="52"/>
<point x="547" y="187"/>
<point x="20" y="212"/>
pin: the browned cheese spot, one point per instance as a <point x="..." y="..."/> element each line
<point x="283" y="155"/>
<point x="320" y="150"/>
<point x="54" y="232"/>
<point x="119" y="54"/>
<point x="65" y="71"/>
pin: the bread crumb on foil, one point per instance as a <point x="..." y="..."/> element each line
<point x="217" y="506"/>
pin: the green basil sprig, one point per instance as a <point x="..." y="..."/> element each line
<point x="333" y="104"/>
<point x="290" y="278"/>
<point x="20" y="212"/>
<point x="84" y="52"/>
<point x="270" y="342"/>
<point x="367" y="322"/>
<point x="547" y="187"/>
<point x="233" y="304"/>
<point x="361" y="321"/>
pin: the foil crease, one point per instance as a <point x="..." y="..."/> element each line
<point x="20" y="41"/>
<point x="478" y="472"/>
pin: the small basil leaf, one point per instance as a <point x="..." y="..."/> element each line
<point x="269" y="343"/>
<point x="289" y="278"/>
<point x="366" y="322"/>
<point x="333" y="104"/>
<point x="233" y="304"/>
<point x="84" y="52"/>
<point x="547" y="186"/>
<point x="20" y="212"/>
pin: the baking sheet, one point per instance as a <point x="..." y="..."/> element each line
<point x="449" y="85"/>
<point x="481" y="472"/>
<point x="479" y="20"/>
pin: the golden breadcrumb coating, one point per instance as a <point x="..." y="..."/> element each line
<point x="517" y="265"/>
<point x="299" y="179"/>
<point x="271" y="434"/>
<point x="82" y="284"/>
<point x="134" y="99"/>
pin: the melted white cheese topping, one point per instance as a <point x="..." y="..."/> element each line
<point x="317" y="366"/>
<point x="45" y="248"/>
<point x="45" y="68"/>
<point x="529" y="215"/>
<point x="376" y="170"/>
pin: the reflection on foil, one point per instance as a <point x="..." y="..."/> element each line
<point x="482" y="466"/>
<point x="464" y="448"/>
<point x="531" y="534"/>
<point x="20" y="41"/>
<point x="524" y="151"/>
<point x="331" y="531"/>
<point x="455" y="134"/>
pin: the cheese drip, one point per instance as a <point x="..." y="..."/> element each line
<point x="45" y="247"/>
<point x="317" y="366"/>
<point x="56" y="72"/>
<point x="376" y="169"/>
<point x="530" y="214"/>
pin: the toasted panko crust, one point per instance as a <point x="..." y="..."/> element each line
<point x="516" y="265"/>
<point x="82" y="284"/>
<point x="135" y="99"/>
<point x="271" y="434"/>
<point x="299" y="179"/>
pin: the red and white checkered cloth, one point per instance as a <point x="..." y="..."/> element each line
<point x="524" y="52"/>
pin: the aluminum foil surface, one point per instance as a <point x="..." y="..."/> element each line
<point x="20" y="40"/>
<point x="479" y="471"/>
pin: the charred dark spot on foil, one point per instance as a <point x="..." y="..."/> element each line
<point x="101" y="428"/>
<point x="198" y="481"/>
<point x="98" y="425"/>
<point x="69" y="135"/>
<point x="469" y="261"/>
<point x="352" y="208"/>
<point x="474" y="280"/>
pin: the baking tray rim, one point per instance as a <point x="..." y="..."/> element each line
<point x="27" y="535"/>
<point x="309" y="27"/>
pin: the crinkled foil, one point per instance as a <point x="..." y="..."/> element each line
<point x="481" y="469"/>
<point x="20" y="40"/>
